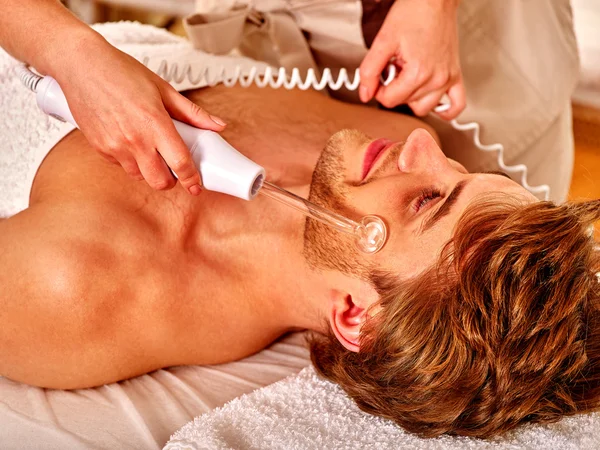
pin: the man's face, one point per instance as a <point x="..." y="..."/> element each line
<point x="412" y="186"/>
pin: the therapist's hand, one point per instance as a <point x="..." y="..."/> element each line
<point x="421" y="36"/>
<point x="124" y="110"/>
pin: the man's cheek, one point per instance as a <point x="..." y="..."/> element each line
<point x="365" y="200"/>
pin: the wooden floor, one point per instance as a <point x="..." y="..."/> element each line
<point x="586" y="173"/>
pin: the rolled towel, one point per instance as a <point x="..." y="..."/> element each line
<point x="306" y="412"/>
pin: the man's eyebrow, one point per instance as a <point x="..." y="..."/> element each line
<point x="445" y="208"/>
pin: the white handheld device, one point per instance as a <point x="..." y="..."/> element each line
<point x="222" y="167"/>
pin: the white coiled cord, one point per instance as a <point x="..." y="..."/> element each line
<point x="28" y="78"/>
<point x="522" y="168"/>
<point x="277" y="78"/>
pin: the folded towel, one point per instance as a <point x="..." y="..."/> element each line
<point x="307" y="412"/>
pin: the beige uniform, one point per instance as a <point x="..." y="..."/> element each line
<point x="519" y="61"/>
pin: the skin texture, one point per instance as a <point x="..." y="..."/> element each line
<point x="122" y="279"/>
<point x="421" y="38"/>
<point x="122" y="108"/>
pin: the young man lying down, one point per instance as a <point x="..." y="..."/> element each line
<point x="480" y="313"/>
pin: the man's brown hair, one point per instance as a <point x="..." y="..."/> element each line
<point x="504" y="329"/>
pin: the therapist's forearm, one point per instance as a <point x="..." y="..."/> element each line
<point x="42" y="33"/>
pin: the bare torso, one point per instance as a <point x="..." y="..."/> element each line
<point x="129" y="279"/>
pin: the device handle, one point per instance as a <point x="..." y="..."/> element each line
<point x="51" y="99"/>
<point x="222" y="167"/>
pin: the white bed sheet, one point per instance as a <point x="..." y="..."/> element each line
<point x="140" y="413"/>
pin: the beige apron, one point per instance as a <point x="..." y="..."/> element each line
<point x="519" y="61"/>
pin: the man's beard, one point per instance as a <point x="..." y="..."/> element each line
<point x="324" y="247"/>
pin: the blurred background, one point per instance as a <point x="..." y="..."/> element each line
<point x="586" y="100"/>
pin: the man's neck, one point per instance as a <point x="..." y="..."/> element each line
<point x="256" y="251"/>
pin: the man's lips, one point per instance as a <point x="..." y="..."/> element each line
<point x="375" y="150"/>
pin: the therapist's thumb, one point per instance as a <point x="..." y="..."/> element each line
<point x="184" y="110"/>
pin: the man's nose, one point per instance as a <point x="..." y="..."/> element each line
<point x="421" y="152"/>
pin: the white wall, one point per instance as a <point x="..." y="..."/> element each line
<point x="586" y="15"/>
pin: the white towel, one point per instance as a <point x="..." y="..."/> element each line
<point x="26" y="132"/>
<point x="306" y="412"/>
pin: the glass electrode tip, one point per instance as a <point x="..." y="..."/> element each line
<point x="370" y="234"/>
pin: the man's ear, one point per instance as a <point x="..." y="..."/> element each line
<point x="346" y="318"/>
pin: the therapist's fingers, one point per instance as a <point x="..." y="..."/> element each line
<point x="171" y="147"/>
<point x="155" y="170"/>
<point x="178" y="157"/>
<point x="441" y="80"/>
<point x="425" y="104"/>
<point x="458" y="101"/>
<point x="129" y="164"/>
<point x="186" y="111"/>
<point x="377" y="59"/>
<point x="403" y="87"/>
